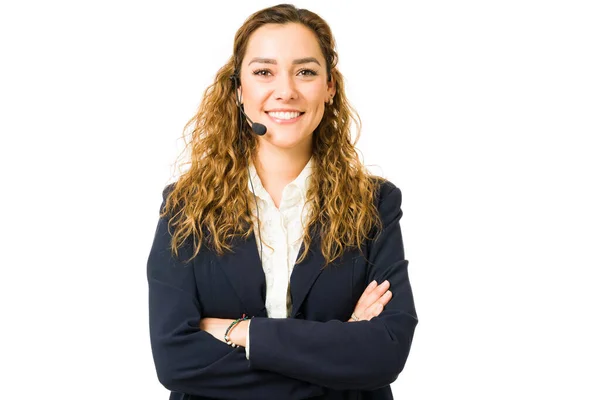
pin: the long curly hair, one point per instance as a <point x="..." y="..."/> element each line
<point x="209" y="202"/>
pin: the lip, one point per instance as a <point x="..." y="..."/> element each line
<point x="284" y="121"/>
<point x="283" y="110"/>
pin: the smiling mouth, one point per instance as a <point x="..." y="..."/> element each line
<point x="285" y="115"/>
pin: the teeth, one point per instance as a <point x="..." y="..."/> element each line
<point x="284" y="115"/>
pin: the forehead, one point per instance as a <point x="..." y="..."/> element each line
<point x="283" y="42"/>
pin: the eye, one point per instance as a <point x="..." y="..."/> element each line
<point x="261" y="72"/>
<point x="307" y="72"/>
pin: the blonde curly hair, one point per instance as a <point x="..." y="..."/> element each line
<point x="209" y="202"/>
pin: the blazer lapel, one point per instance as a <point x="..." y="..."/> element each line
<point x="246" y="275"/>
<point x="305" y="273"/>
<point x="244" y="270"/>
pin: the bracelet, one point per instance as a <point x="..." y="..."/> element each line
<point x="230" y="328"/>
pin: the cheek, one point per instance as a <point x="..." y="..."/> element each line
<point x="316" y="95"/>
<point x="254" y="95"/>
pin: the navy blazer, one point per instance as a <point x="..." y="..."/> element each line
<point x="313" y="354"/>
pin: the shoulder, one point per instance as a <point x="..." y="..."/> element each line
<point x="166" y="192"/>
<point x="168" y="189"/>
<point x="388" y="199"/>
<point x="387" y="192"/>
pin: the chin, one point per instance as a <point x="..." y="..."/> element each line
<point x="280" y="139"/>
<point x="284" y="144"/>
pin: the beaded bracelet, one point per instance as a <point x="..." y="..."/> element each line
<point x="230" y="328"/>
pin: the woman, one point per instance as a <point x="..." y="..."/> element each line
<point x="302" y="316"/>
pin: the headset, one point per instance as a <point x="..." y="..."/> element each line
<point x="258" y="129"/>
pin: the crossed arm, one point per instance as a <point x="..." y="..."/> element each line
<point x="370" y="305"/>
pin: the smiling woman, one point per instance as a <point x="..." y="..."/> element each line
<point x="285" y="85"/>
<point x="326" y="310"/>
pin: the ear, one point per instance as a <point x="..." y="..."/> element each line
<point x="237" y="85"/>
<point x="330" y="89"/>
<point x="239" y="94"/>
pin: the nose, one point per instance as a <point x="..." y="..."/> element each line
<point x="286" y="88"/>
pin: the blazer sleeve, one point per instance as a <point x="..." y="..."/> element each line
<point x="363" y="355"/>
<point x="189" y="360"/>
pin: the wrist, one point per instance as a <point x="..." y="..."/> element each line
<point x="232" y="335"/>
<point x="238" y="334"/>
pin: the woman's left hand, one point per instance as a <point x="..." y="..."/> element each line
<point x="217" y="327"/>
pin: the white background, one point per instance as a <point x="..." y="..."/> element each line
<point x="485" y="114"/>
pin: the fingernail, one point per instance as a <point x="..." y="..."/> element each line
<point x="372" y="284"/>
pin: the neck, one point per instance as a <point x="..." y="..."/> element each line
<point x="277" y="168"/>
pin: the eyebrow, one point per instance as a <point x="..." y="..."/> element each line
<point x="304" y="60"/>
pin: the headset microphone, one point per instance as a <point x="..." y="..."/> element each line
<point x="257" y="128"/>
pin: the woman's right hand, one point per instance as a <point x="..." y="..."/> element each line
<point x="372" y="301"/>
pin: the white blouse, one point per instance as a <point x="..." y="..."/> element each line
<point x="282" y="230"/>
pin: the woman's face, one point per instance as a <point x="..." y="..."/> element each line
<point x="284" y="83"/>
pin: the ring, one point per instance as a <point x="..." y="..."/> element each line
<point x="354" y="317"/>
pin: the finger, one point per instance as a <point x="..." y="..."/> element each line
<point x="370" y="296"/>
<point x="385" y="285"/>
<point x="376" y="308"/>
<point x="381" y="289"/>
<point x="383" y="300"/>
<point x="370" y="287"/>
<point x="376" y="293"/>
<point x="373" y="311"/>
<point x="367" y="291"/>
